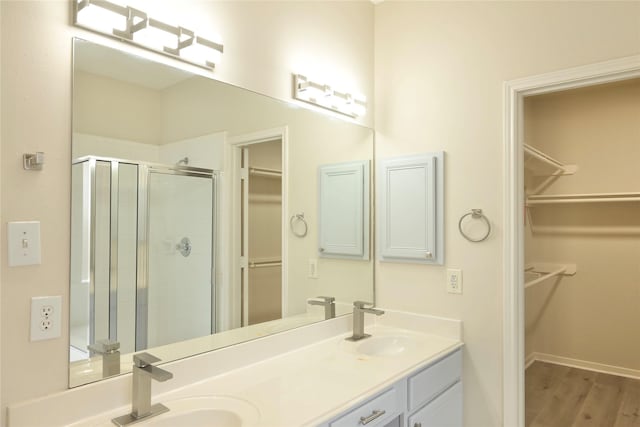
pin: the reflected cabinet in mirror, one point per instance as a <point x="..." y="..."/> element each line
<point x="205" y="215"/>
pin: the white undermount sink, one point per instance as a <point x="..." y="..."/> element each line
<point x="205" y="411"/>
<point x="389" y="345"/>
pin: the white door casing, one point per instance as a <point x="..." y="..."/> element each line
<point x="513" y="274"/>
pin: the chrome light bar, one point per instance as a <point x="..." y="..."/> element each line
<point x="323" y="95"/>
<point x="136" y="27"/>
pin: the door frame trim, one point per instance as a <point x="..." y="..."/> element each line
<point x="232" y="146"/>
<point x="513" y="273"/>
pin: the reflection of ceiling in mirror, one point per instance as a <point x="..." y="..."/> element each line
<point x="115" y="64"/>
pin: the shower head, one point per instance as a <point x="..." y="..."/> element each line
<point x="184" y="161"/>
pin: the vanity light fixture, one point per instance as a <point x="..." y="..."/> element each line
<point x="134" y="26"/>
<point x="323" y="95"/>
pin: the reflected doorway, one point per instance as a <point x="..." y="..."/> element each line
<point x="261" y="225"/>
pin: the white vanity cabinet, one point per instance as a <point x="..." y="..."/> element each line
<point x="429" y="397"/>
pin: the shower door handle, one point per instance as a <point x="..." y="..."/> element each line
<point x="184" y="247"/>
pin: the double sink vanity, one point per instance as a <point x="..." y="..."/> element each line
<point x="166" y="263"/>
<point x="407" y="373"/>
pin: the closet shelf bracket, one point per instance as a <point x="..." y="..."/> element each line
<point x="544" y="165"/>
<point x="545" y="271"/>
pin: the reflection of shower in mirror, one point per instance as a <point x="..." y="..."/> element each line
<point x="130" y="221"/>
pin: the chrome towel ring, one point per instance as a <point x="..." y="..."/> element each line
<point x="475" y="214"/>
<point x="299" y="217"/>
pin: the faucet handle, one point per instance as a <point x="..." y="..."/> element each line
<point x="327" y="299"/>
<point x="144" y="359"/>
<point x="361" y="304"/>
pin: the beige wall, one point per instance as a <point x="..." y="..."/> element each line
<point x="36" y="116"/>
<point x="590" y="316"/>
<point x="439" y="69"/>
<point x="115" y="109"/>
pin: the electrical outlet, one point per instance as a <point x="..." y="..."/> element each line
<point x="46" y="318"/>
<point x="46" y="311"/>
<point x="313" y="268"/>
<point x="45" y="324"/>
<point x="454" y="281"/>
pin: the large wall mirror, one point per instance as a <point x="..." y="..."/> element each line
<point x="203" y="214"/>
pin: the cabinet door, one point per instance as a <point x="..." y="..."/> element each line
<point x="433" y="380"/>
<point x="344" y="210"/>
<point x="396" y="422"/>
<point x="444" y="411"/>
<point x="410" y="206"/>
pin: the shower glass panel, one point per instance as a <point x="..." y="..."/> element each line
<point x="101" y="246"/>
<point x="180" y="245"/>
<point x="90" y="244"/>
<point x="141" y="233"/>
<point x="126" y="259"/>
<point x="80" y="281"/>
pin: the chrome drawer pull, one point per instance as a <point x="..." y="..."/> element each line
<point x="375" y="415"/>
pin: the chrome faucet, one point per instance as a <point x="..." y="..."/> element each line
<point x="143" y="373"/>
<point x="329" y="306"/>
<point x="358" y="319"/>
<point x="110" y="352"/>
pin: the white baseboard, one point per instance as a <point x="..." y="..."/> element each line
<point x="528" y="361"/>
<point x="582" y="364"/>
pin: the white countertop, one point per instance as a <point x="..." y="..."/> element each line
<point x="312" y="383"/>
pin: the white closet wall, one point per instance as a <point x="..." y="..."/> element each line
<point x="594" y="316"/>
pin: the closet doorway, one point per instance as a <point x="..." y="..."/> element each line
<point x="259" y="189"/>
<point x="262" y="231"/>
<point x="572" y="244"/>
<point x="582" y="248"/>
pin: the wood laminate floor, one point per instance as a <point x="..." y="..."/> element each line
<point x="559" y="396"/>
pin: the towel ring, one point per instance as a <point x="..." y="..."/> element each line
<point x="295" y="219"/>
<point x="475" y="214"/>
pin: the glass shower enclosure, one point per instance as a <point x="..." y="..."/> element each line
<point x="142" y="243"/>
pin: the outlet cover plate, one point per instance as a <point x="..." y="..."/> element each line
<point x="46" y="318"/>
<point x="313" y="268"/>
<point x="454" y="281"/>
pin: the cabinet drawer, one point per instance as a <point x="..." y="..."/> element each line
<point x="444" y="411"/>
<point x="433" y="380"/>
<point x="389" y="402"/>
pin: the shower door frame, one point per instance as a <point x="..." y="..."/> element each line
<point x="513" y="394"/>
<point x="142" y="250"/>
<point x="145" y="169"/>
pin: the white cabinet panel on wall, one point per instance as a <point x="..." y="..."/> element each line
<point x="410" y="208"/>
<point x="343" y="207"/>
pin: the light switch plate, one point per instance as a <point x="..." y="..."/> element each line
<point x="46" y="316"/>
<point x="24" y="243"/>
<point x="454" y="281"/>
